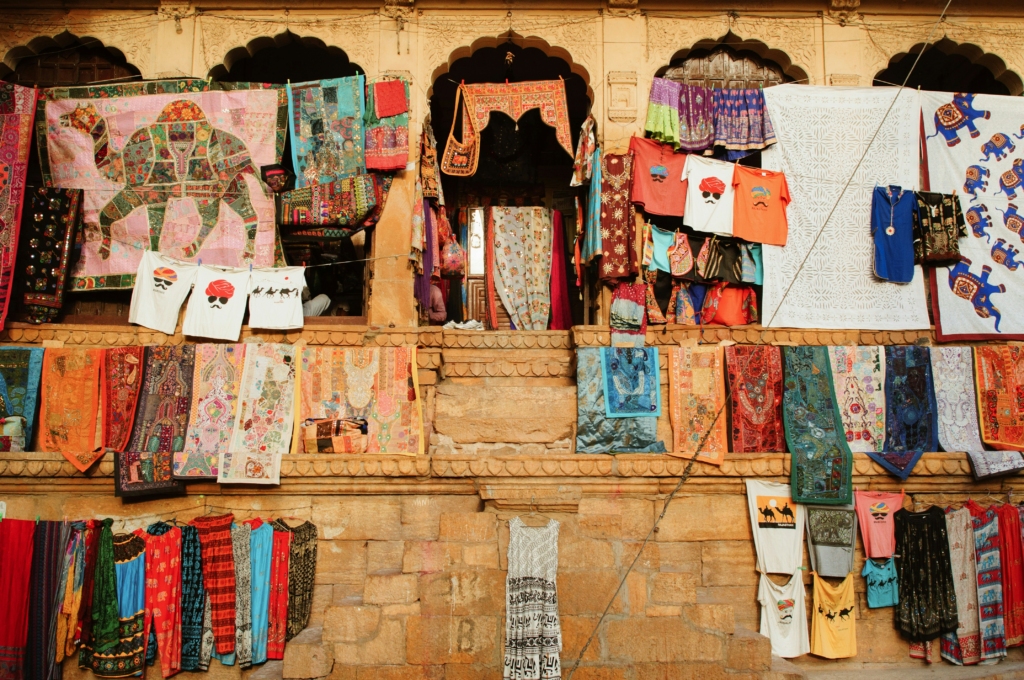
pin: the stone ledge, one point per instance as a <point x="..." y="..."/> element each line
<point x="738" y="465"/>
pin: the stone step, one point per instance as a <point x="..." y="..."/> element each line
<point x="1007" y="670"/>
<point x="271" y="670"/>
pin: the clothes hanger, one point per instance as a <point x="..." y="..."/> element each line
<point x="533" y="514"/>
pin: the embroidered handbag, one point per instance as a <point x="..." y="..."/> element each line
<point x="335" y="435"/>
<point x="680" y="257"/>
<point x="453" y="257"/>
<point x="460" y="159"/>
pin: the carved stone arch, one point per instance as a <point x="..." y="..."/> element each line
<point x="791" y="43"/>
<point x="953" y="66"/>
<point x="104" y="62"/>
<point x="534" y="42"/>
<point x="339" y="61"/>
<point x="766" y="55"/>
<point x="221" y="40"/>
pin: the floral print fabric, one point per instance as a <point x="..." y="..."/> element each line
<point x="618" y="227"/>
<point x="522" y="264"/>
<point x="858" y="374"/>
<point x="215" y="389"/>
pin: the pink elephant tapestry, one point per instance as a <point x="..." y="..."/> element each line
<point x="975" y="147"/>
<point x="176" y="172"/>
<point x="17" y="108"/>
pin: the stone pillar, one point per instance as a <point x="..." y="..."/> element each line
<point x="391" y="286"/>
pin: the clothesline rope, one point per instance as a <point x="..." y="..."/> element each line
<point x="700" y="446"/>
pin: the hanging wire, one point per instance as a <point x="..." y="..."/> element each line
<point x="700" y="447"/>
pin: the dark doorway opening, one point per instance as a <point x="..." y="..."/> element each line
<point x="948" y="67"/>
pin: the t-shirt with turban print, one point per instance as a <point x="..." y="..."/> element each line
<point x="658" y="187"/>
<point x="709" y="196"/>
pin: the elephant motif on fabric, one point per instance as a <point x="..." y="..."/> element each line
<point x="960" y="113"/>
<point x="976" y="180"/>
<point x="1011" y="179"/>
<point x="999" y="145"/>
<point x="1021" y="135"/>
<point x="1005" y="254"/>
<point x="181" y="155"/>
<point x="976" y="289"/>
<point x="979" y="221"/>
<point x="1013" y="221"/>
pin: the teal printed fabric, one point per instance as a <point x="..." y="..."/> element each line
<point x="822" y="465"/>
<point x="20" y="372"/>
<point x="632" y="382"/>
<point x="591" y="247"/>
<point x="325" y="119"/>
<point x="596" y="433"/>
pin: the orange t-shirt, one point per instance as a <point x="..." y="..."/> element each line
<point x="759" y="212"/>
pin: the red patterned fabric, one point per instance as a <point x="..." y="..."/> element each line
<point x="163" y="596"/>
<point x="219" y="577"/>
<point x="278" y="616"/>
<point x="17" y="109"/>
<point x="83" y="629"/>
<point x="999" y="373"/>
<point x="389" y="98"/>
<point x="561" y="313"/>
<point x="122" y="378"/>
<point x="1010" y="559"/>
<point x="515" y="99"/>
<point x="618" y="225"/>
<point x="16" y="541"/>
<point x="755" y="388"/>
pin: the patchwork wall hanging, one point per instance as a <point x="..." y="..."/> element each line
<point x="343" y="203"/>
<point x="697" y="403"/>
<point x="755" y="389"/>
<point x="69" y="404"/>
<point x="216" y="382"/>
<point x="632" y="381"/>
<point x="21" y="369"/>
<point x="818" y="149"/>
<point x="326" y="124"/>
<point x="177" y="172"/>
<point x="972" y="150"/>
<point x="264" y="419"/>
<point x="858" y="373"/>
<point x="956" y="400"/>
<point x="17" y="108"/>
<point x="910" y="412"/>
<point x="999" y="372"/>
<point x="122" y="382"/>
<point x="597" y="433"/>
<point x="387" y="125"/>
<point x="822" y="465"/>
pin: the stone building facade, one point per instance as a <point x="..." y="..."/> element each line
<point x="410" y="580"/>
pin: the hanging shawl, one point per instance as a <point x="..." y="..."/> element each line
<point x="561" y="312"/>
<point x="858" y="374"/>
<point x="103" y="632"/>
<point x="591" y="241"/>
<point x="741" y="122"/>
<point x="216" y="383"/>
<point x="47" y="559"/>
<point x="16" y="559"/>
<point x="83" y="629"/>
<point x="999" y="372"/>
<point x="663" y="113"/>
<point x="632" y="381"/>
<point x="430" y="171"/>
<point x="419" y="230"/>
<point x="193" y="598"/>
<point x="583" y="163"/>
<point x="696" y="118"/>
<point x="990" y="581"/>
<point x="69" y="404"/>
<point x="755" y="388"/>
<point x="822" y="465"/>
<point x="910" y="411"/>
<point x="20" y="370"/>
<point x="618" y="227"/>
<point x="387" y="136"/>
<point x="122" y="381"/>
<point x="17" y="108"/>
<point x="326" y="121"/>
<point x="595" y="432"/>
<point x="522" y="265"/>
<point x="46" y="244"/>
<point x="146" y="468"/>
<point x="697" y="403"/>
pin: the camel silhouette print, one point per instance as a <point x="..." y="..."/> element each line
<point x="768" y="513"/>
<point x="181" y="155"/>
<point x="845" y="613"/>
<point x="786" y="512"/>
<point x="831" y="616"/>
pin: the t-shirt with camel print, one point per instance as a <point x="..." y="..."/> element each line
<point x="778" y="526"/>
<point x="834" y="619"/>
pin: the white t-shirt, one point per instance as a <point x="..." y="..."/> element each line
<point x="778" y="525"/>
<point x="784" y="616"/>
<point x="275" y="298"/>
<point x="217" y="305"/>
<point x="161" y="285"/>
<point x="709" y="195"/>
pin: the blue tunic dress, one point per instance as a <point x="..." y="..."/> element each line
<point x="892" y="227"/>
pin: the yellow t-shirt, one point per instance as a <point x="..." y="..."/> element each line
<point x="834" y="619"/>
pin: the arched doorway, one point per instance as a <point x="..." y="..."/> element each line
<point x="281" y="59"/>
<point x="947" y="66"/>
<point x="60" y="61"/>
<point x="521" y="162"/>
<point x="732" y="63"/>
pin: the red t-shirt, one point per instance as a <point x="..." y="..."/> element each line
<point x="657" y="169"/>
<point x="875" y="512"/>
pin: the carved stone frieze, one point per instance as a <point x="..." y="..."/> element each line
<point x="478" y="363"/>
<point x="672" y="334"/>
<point x="507" y="340"/>
<point x="622" y="103"/>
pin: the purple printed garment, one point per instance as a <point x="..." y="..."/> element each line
<point x="696" y="118"/>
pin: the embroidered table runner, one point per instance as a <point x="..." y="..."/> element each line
<point x="755" y="387"/>
<point x="216" y="384"/>
<point x="696" y="396"/>
<point x="858" y="373"/>
<point x="17" y="108"/>
<point x="999" y="372"/>
<point x="910" y="412"/>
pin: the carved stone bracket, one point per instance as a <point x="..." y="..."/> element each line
<point x="507" y="340"/>
<point x="844" y="11"/>
<point x="621" y="96"/>
<point x="548" y="363"/>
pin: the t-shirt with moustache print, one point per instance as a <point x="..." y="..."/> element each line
<point x="709" y="195"/>
<point x="760" y="207"/>
<point x="657" y="186"/>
